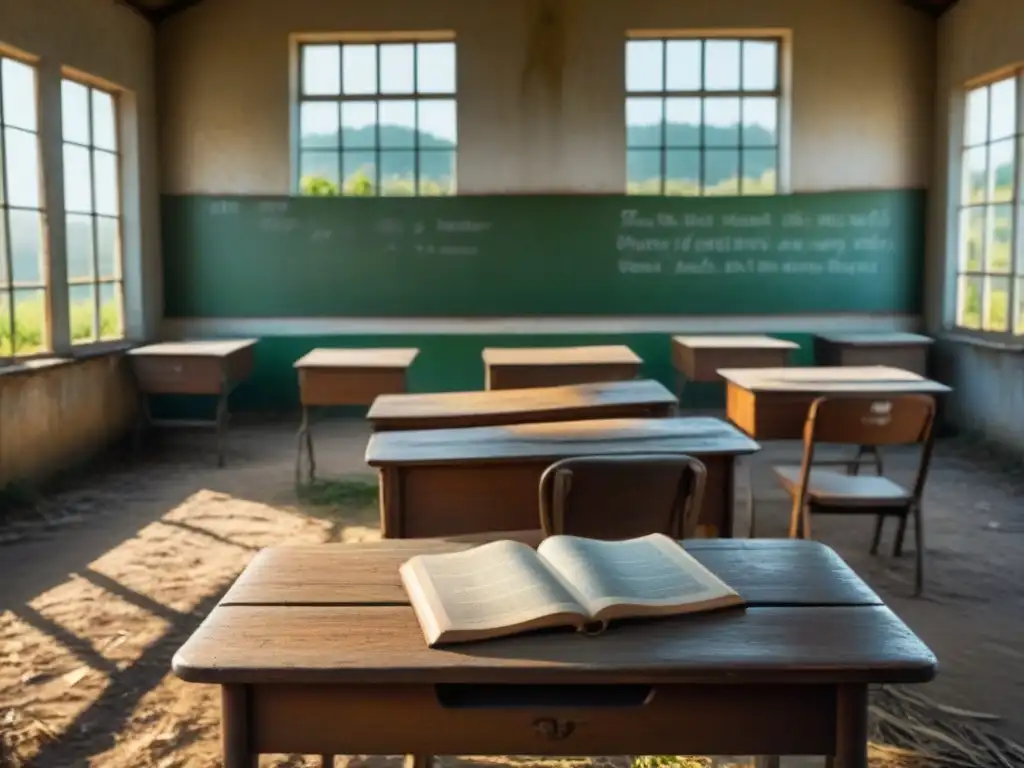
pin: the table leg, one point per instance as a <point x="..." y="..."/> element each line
<point x="309" y="450"/>
<point x="299" y="438"/>
<point x="680" y="387"/>
<point x="851" y="727"/>
<point x="327" y="761"/>
<point x="418" y="761"/>
<point x="222" y="424"/>
<point x="748" y="463"/>
<point x="236" y="727"/>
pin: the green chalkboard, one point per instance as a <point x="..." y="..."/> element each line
<point x="542" y="255"/>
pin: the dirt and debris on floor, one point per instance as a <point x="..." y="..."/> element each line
<point x="100" y="584"/>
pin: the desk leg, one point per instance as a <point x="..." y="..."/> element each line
<point x="851" y="727"/>
<point x="141" y="421"/>
<point x="748" y="462"/>
<point x="222" y="421"/>
<point x="300" y="437"/>
<point x="309" y="450"/>
<point x="236" y="725"/>
<point x="418" y="761"/>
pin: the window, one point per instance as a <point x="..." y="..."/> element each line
<point x="702" y="116"/>
<point x="990" y="295"/>
<point x="23" y="300"/>
<point x="377" y="118"/>
<point x="92" y="205"/>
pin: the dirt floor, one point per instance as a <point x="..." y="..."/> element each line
<point x="102" y="583"/>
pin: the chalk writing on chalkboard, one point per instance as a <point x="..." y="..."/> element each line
<point x="273" y="207"/>
<point x="224" y="207"/>
<point x="463" y="226"/>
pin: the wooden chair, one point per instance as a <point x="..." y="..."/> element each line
<point x="862" y="421"/>
<point x="650" y="493"/>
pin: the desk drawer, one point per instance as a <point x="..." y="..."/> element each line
<point x="166" y="375"/>
<point x="544" y="720"/>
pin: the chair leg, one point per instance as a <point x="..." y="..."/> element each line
<point x="877" y="538"/>
<point x="806" y="522"/>
<point x="794" y="521"/>
<point x="897" y="545"/>
<point x="919" y="546"/>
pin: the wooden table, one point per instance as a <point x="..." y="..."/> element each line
<point x="518" y="368"/>
<point x="212" y="368"/>
<point x="698" y="358"/>
<point x="444" y="482"/>
<point x="606" y="400"/>
<point x="336" y="377"/>
<point x="908" y="351"/>
<point x="317" y="651"/>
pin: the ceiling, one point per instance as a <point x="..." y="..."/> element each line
<point x="158" y="10"/>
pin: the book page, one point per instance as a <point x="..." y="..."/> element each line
<point x="498" y="585"/>
<point x="648" y="571"/>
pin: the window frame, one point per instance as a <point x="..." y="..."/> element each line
<point x="91" y="84"/>
<point x="10" y="290"/>
<point x="299" y="97"/>
<point x="1014" y="332"/>
<point x="778" y="93"/>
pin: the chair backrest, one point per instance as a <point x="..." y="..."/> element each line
<point x="858" y="420"/>
<point x="619" y="497"/>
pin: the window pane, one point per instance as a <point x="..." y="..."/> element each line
<point x="722" y="65"/>
<point x="19" y="92"/>
<point x="997" y="310"/>
<point x="1018" y="325"/>
<point x="760" y="62"/>
<point x="22" y="168"/>
<point x="359" y="69"/>
<point x="6" y="348"/>
<point x="105" y="168"/>
<point x="682" y="172"/>
<point x="721" y="122"/>
<point x="976" y="127"/>
<point x="437" y="173"/>
<point x="108" y="244"/>
<point x="104" y="122"/>
<point x="318" y="125"/>
<point x="997" y="238"/>
<point x="643" y="122"/>
<point x="79" y="246"/>
<point x="3" y="254"/>
<point x="77" y="179"/>
<point x="111" y="311"/>
<point x="321" y="70"/>
<point x="683" y="67"/>
<point x="74" y="99"/>
<point x="760" y="176"/>
<point x="435" y="67"/>
<point x="721" y="172"/>
<point x="645" y="65"/>
<point x="358" y="124"/>
<point x="1000" y="170"/>
<point x="438" y="123"/>
<point x="643" y="171"/>
<point x="31" y="334"/>
<point x="760" y="122"/>
<point x="82" y="310"/>
<point x="974" y="167"/>
<point x="359" y="172"/>
<point x="968" y="314"/>
<point x="1003" y="118"/>
<point x="397" y="123"/>
<point x="26" y="246"/>
<point x="319" y="173"/>
<point x="398" y="172"/>
<point x="972" y="237"/>
<point x="396" y="68"/>
<point x="682" y="122"/>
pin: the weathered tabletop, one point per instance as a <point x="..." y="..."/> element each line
<point x="598" y="354"/>
<point x="641" y="397"/>
<point x="908" y="351"/>
<point x="772" y="403"/>
<point x="318" y="651"/>
<point x="215" y="348"/>
<point x="863" y="339"/>
<point x="371" y="358"/>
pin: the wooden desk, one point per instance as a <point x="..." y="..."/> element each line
<point x="908" y="351"/>
<point x="212" y="368"/>
<point x="518" y="368"/>
<point x="317" y="651"/>
<point x="480" y="479"/>
<point x="772" y="403"/>
<point x="333" y="377"/>
<point x="698" y="358"/>
<point x="439" y="410"/>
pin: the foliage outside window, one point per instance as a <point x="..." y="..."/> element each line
<point x="93" y="213"/>
<point x="377" y="118"/>
<point x="702" y="116"/>
<point x="23" y="274"/>
<point x="990" y="294"/>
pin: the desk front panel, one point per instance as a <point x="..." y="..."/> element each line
<point x="526" y="376"/>
<point x="419" y="501"/>
<point x="702" y="364"/>
<point x="321" y="386"/>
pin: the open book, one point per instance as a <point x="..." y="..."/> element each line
<point x="506" y="587"/>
